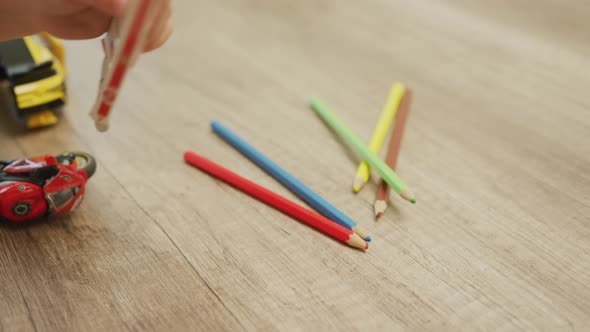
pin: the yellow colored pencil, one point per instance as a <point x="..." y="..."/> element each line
<point x="383" y="124"/>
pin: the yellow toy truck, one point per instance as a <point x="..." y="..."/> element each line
<point x="33" y="79"/>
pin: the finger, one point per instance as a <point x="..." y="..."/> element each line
<point x="86" y="24"/>
<point x="161" y="40"/>
<point x="109" y="7"/>
<point x="160" y="27"/>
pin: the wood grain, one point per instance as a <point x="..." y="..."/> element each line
<point x="497" y="150"/>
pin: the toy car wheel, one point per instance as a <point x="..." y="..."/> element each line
<point x="83" y="160"/>
<point x="86" y="162"/>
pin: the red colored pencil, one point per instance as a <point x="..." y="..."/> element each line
<point x="277" y="201"/>
<point x="393" y="150"/>
<point x="122" y="46"/>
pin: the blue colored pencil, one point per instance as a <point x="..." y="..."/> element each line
<point x="288" y="180"/>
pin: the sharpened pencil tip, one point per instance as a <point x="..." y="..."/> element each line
<point x="356" y="241"/>
<point x="408" y="196"/>
<point x="379" y="207"/>
<point x="358" y="184"/>
<point x="366" y="246"/>
<point x="361" y="233"/>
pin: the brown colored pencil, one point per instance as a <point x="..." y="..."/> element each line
<point x="393" y="150"/>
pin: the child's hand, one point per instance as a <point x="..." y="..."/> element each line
<point x="73" y="19"/>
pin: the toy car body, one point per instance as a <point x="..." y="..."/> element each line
<point x="43" y="186"/>
<point x="33" y="76"/>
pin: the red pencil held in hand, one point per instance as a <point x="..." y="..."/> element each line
<point x="278" y="202"/>
<point x="122" y="46"/>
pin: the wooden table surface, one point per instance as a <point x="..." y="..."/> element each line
<point x="497" y="150"/>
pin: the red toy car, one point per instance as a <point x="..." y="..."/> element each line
<point x="31" y="188"/>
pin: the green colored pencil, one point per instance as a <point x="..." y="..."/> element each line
<point x="372" y="159"/>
